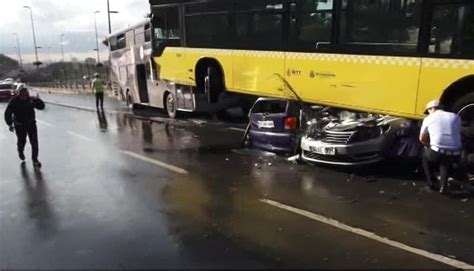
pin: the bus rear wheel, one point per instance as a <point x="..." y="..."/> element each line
<point x="464" y="107"/>
<point x="170" y="105"/>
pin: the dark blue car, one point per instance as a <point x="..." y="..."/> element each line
<point x="273" y="125"/>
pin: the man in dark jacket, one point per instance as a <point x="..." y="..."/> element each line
<point x="20" y="117"/>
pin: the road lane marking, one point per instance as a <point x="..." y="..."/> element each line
<point x="80" y="136"/>
<point x="44" y="123"/>
<point x="236" y="129"/>
<point x="370" y="235"/>
<point x="156" y="162"/>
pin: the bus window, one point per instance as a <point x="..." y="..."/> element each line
<point x="166" y="23"/>
<point x="209" y="31"/>
<point x="380" y="26"/>
<point x="443" y="29"/>
<point x="113" y="43"/>
<point x="260" y="31"/>
<point x="121" y="42"/>
<point x="311" y="24"/>
<point x="147" y="33"/>
<point x="468" y="35"/>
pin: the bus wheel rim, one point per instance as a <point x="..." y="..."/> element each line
<point x="170" y="105"/>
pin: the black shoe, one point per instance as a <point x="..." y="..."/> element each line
<point x="22" y="156"/>
<point x="37" y="164"/>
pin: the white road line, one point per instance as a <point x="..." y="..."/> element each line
<point x="370" y="235"/>
<point x="80" y="136"/>
<point x="156" y="162"/>
<point x="44" y="123"/>
<point x="236" y="129"/>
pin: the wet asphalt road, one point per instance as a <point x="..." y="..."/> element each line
<point x="121" y="192"/>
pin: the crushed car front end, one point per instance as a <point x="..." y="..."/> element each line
<point x="348" y="139"/>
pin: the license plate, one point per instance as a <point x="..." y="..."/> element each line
<point x="265" y="124"/>
<point x="323" y="150"/>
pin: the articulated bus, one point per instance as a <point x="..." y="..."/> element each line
<point x="382" y="56"/>
<point x="130" y="55"/>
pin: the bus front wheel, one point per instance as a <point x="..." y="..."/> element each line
<point x="129" y="100"/>
<point x="170" y="105"/>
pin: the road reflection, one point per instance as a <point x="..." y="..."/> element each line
<point x="102" y="118"/>
<point x="37" y="202"/>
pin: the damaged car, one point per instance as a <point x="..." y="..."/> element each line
<point x="341" y="137"/>
<point x="274" y="125"/>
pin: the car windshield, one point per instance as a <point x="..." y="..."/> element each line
<point x="270" y="107"/>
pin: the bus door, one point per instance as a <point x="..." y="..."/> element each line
<point x="142" y="83"/>
<point x="260" y="59"/>
<point x="167" y="31"/>
<point x="449" y="45"/>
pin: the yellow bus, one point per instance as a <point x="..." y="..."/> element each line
<point x="383" y="56"/>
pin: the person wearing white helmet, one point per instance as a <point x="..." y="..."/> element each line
<point x="97" y="85"/>
<point x="441" y="134"/>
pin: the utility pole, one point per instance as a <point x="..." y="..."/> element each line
<point x="108" y="15"/>
<point x="19" y="50"/>
<point x="37" y="63"/>
<point x="97" y="37"/>
<point x="62" y="46"/>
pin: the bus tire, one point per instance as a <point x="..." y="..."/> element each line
<point x="170" y="105"/>
<point x="464" y="107"/>
<point x="129" y="100"/>
<point x="213" y="84"/>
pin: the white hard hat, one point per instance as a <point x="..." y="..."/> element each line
<point x="432" y="104"/>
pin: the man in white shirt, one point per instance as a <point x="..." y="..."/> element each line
<point x="441" y="134"/>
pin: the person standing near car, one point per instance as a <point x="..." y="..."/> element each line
<point x="20" y="117"/>
<point x="97" y="86"/>
<point x="441" y="134"/>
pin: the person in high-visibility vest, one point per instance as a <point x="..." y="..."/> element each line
<point x="97" y="85"/>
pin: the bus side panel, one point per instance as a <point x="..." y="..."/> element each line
<point x="224" y="57"/>
<point x="171" y="65"/>
<point x="372" y="83"/>
<point x="437" y="75"/>
<point x="259" y="73"/>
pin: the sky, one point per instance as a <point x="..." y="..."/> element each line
<point x="73" y="18"/>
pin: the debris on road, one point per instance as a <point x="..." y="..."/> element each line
<point x="294" y="159"/>
<point x="465" y="200"/>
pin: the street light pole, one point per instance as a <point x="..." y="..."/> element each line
<point x="19" y="50"/>
<point x="62" y="46"/>
<point x="108" y="15"/>
<point x="37" y="63"/>
<point x="96" y="37"/>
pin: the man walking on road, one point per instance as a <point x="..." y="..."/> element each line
<point x="20" y="116"/>
<point x="97" y="86"/>
<point x="441" y="134"/>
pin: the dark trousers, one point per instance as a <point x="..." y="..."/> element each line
<point x="30" y="130"/>
<point x="99" y="100"/>
<point x="433" y="160"/>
